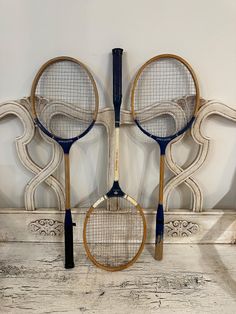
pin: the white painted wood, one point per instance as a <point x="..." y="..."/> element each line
<point x="105" y="117"/>
<point x="190" y="279"/>
<point x="46" y="225"/>
<point x="188" y="226"/>
<point x="22" y="110"/>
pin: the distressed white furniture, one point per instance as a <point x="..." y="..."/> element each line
<point x="194" y="225"/>
<point x="191" y="279"/>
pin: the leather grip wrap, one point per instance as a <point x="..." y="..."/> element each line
<point x="117" y="82"/>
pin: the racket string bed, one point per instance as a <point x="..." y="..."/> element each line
<point x="69" y="96"/>
<point x="114" y="233"/>
<point x="164" y="97"/>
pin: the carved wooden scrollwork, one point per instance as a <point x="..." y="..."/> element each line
<point x="21" y="109"/>
<point x="184" y="175"/>
<point x="181" y="228"/>
<point x="46" y="227"/>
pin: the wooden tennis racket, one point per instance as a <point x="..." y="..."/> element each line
<point x="65" y="104"/>
<point x="115" y="227"/>
<point x="164" y="102"/>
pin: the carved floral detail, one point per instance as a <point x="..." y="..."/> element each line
<point x="46" y="227"/>
<point x="181" y="228"/>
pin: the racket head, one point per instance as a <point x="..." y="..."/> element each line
<point x="64" y="98"/>
<point x="165" y="97"/>
<point x="114" y="232"/>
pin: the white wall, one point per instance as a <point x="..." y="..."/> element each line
<point x="203" y="32"/>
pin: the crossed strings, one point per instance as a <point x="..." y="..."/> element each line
<point x="165" y="97"/>
<point x="114" y="232"/>
<point x="65" y="99"/>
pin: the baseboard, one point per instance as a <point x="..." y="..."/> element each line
<point x="181" y="226"/>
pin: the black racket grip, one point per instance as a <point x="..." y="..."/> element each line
<point x="68" y="231"/>
<point x="117" y="81"/>
<point x="159" y="233"/>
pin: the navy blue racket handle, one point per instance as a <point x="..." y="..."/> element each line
<point x="68" y="231"/>
<point x="159" y="232"/>
<point x="117" y="82"/>
<point x="159" y="223"/>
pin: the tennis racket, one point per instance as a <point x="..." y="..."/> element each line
<point x="164" y="102"/>
<point x="115" y="228"/>
<point x="65" y="104"/>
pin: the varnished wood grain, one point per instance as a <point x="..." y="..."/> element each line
<point x="190" y="279"/>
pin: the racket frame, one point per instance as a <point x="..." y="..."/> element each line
<point x="65" y="144"/>
<point x="163" y="142"/>
<point x="87" y="217"/>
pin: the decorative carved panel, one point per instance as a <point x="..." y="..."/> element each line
<point x="46" y="227"/>
<point x="178" y="228"/>
<point x="181" y="228"/>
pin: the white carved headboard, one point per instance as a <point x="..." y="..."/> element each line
<point x="194" y="225"/>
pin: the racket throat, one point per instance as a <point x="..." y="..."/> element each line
<point x="66" y="144"/>
<point x="115" y="190"/>
<point x="162" y="144"/>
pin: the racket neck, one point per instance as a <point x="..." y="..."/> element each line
<point x="67" y="180"/>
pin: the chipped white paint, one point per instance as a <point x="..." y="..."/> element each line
<point x="190" y="279"/>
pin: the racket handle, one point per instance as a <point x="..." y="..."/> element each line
<point x="159" y="233"/>
<point x="68" y="229"/>
<point x="117" y="81"/>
